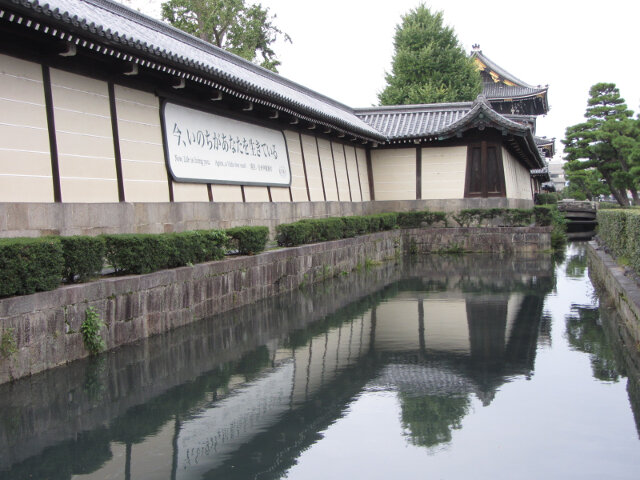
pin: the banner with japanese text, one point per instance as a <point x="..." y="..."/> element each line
<point x="204" y="147"/>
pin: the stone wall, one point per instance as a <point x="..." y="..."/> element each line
<point x="36" y="219"/>
<point x="46" y="325"/>
<point x="621" y="288"/>
<point x="473" y="239"/>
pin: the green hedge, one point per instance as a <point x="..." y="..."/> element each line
<point x="136" y="253"/>
<point x="29" y="265"/>
<point x="145" y="253"/>
<point x="354" y="226"/>
<point x="418" y="219"/>
<point x="249" y="240"/>
<point x="620" y="232"/>
<point x="188" y="248"/>
<point x="324" y="229"/>
<point x="83" y="257"/>
<point x="333" y="228"/>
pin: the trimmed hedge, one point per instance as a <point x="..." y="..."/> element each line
<point x="188" y="248"/>
<point x="620" y="232"/>
<point x="418" y="219"/>
<point x="83" y="257"/>
<point x="324" y="229"/>
<point x="249" y="240"/>
<point x="146" y="253"/>
<point x="333" y="228"/>
<point x="136" y="253"/>
<point x="29" y="265"/>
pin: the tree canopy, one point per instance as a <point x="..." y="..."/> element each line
<point x="429" y="64"/>
<point x="608" y="142"/>
<point x="246" y="30"/>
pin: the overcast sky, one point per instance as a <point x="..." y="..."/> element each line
<point x="342" y="48"/>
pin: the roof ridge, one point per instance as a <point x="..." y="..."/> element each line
<point x="411" y="108"/>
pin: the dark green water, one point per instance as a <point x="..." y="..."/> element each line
<point x="446" y="367"/>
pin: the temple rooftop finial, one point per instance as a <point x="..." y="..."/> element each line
<point x="476" y="47"/>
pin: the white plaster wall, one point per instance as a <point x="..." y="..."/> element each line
<point x="517" y="178"/>
<point x="328" y="172"/>
<point x="190" y="192"/>
<point x="25" y="159"/>
<point x="84" y="136"/>
<point x="361" y="160"/>
<point x="298" y="181"/>
<point x="394" y="173"/>
<point x="354" y="174"/>
<point x="144" y="171"/>
<point x="340" y="162"/>
<point x="256" y="194"/>
<point x="443" y="172"/>
<point x="312" y="163"/>
<point x="226" y="193"/>
<point x="280" y="194"/>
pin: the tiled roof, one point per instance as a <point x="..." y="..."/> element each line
<point x="500" y="90"/>
<point x="411" y="121"/>
<point x="547" y="145"/>
<point x="432" y="120"/>
<point x="540" y="171"/>
<point x="542" y="141"/>
<point x="445" y="120"/>
<point x="113" y="24"/>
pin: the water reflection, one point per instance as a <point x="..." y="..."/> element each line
<point x="243" y="395"/>
<point x="599" y="331"/>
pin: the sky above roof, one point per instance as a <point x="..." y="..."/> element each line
<point x="343" y="48"/>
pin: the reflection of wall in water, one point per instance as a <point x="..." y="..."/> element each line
<point x="454" y="323"/>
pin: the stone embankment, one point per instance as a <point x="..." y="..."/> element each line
<point x="622" y="288"/>
<point x="43" y="329"/>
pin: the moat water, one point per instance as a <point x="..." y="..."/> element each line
<point x="444" y="367"/>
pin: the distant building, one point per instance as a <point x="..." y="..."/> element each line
<point x="556" y="172"/>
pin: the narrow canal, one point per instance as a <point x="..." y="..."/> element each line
<point x="447" y="367"/>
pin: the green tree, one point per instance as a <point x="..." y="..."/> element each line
<point x="246" y="30"/>
<point x="607" y="141"/>
<point x="586" y="184"/>
<point x="429" y="64"/>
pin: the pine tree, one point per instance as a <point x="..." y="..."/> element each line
<point x="608" y="142"/>
<point x="429" y="64"/>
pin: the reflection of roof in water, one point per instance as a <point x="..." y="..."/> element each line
<point x="423" y="379"/>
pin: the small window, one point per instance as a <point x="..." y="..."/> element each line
<point x="485" y="175"/>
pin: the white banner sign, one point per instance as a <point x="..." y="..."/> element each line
<point x="203" y="147"/>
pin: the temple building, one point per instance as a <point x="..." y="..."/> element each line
<point x="507" y="94"/>
<point x="103" y="105"/>
<point x="512" y="97"/>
